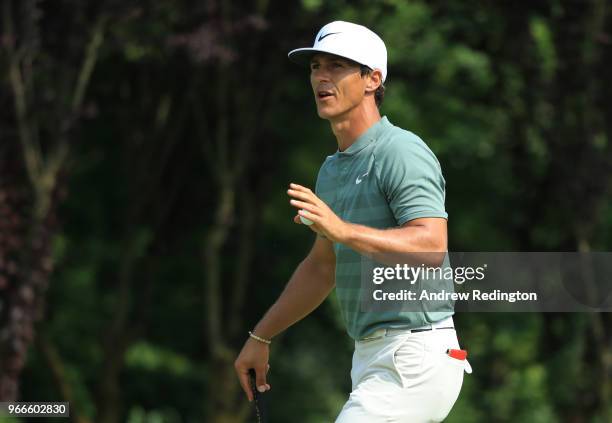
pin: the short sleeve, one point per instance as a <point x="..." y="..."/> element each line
<point x="410" y="177"/>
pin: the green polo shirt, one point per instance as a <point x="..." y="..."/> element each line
<point x="387" y="177"/>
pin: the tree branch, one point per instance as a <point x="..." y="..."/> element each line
<point x="56" y="366"/>
<point x="89" y="62"/>
<point x="31" y="151"/>
<point x="48" y="176"/>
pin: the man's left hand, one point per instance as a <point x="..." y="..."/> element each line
<point x="325" y="221"/>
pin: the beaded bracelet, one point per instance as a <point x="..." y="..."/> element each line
<point x="259" y="338"/>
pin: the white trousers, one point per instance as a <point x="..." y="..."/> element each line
<point x="404" y="377"/>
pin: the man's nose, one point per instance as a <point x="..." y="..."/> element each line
<point x="320" y="74"/>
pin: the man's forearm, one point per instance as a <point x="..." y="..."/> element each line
<point x="411" y="244"/>
<point x="308" y="287"/>
<point x="397" y="240"/>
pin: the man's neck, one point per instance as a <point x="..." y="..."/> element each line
<point x="350" y="126"/>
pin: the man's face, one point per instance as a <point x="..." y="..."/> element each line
<point x="337" y="84"/>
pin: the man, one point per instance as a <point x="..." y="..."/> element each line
<point x="380" y="195"/>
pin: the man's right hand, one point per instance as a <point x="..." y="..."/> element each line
<point x="309" y="285"/>
<point x="254" y="355"/>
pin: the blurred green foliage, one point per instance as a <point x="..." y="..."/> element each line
<point x="514" y="99"/>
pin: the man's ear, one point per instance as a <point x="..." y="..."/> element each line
<point x="374" y="81"/>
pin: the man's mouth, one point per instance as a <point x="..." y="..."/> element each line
<point x="324" y="94"/>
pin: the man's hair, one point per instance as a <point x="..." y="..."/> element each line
<point x="379" y="94"/>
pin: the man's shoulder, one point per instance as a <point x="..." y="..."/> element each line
<point x="328" y="161"/>
<point x="399" y="142"/>
<point x="327" y="167"/>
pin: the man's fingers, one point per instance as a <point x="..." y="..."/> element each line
<point x="305" y="206"/>
<point x="300" y="188"/>
<point x="303" y="193"/>
<point x="260" y="379"/>
<point x="245" y="384"/>
<point x="297" y="219"/>
<point x="314" y="218"/>
<point x="299" y="195"/>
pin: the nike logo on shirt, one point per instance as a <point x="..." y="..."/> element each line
<point x="359" y="178"/>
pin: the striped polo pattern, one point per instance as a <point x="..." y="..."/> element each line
<point x="386" y="178"/>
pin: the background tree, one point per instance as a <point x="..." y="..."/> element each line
<point x="48" y="94"/>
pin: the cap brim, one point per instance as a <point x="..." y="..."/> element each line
<point x="302" y="56"/>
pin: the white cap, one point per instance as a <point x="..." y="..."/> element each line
<point x="348" y="40"/>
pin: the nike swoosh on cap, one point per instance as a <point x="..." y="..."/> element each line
<point x="326" y="35"/>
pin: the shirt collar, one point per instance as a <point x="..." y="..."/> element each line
<point x="372" y="133"/>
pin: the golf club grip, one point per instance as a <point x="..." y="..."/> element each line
<point x="258" y="400"/>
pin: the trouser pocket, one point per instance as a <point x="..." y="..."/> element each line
<point x="447" y="382"/>
<point x="408" y="359"/>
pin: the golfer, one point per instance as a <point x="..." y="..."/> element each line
<point x="382" y="193"/>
